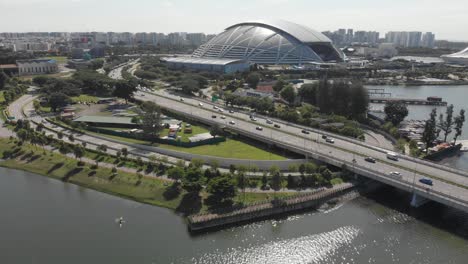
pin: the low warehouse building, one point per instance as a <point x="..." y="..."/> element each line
<point x="207" y="64"/>
<point x="39" y="66"/>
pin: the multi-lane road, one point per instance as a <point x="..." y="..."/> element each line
<point x="448" y="182"/>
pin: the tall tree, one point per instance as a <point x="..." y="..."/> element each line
<point x="289" y="94"/>
<point x="222" y="189"/>
<point x="459" y="121"/>
<point x="215" y="130"/>
<point x="3" y="79"/>
<point x="275" y="174"/>
<point x="78" y="151"/>
<point x="151" y="120"/>
<point x="359" y="100"/>
<point x="395" y="112"/>
<point x="430" y="130"/>
<point x="279" y="85"/>
<point x="124" y="89"/>
<point x="57" y="100"/>
<point x="447" y="123"/>
<point x="253" y="79"/>
<point x="323" y="98"/>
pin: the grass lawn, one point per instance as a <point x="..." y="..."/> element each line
<point x="84" y="98"/>
<point x="2" y="98"/>
<point x="229" y="149"/>
<point x="59" y="59"/>
<point x="60" y="75"/>
<point x="147" y="190"/>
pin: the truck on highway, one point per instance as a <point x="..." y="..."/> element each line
<point x="392" y="156"/>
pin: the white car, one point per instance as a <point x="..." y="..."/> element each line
<point x="259" y="128"/>
<point x="269" y="121"/>
<point x="215" y="107"/>
<point x="220" y="110"/>
<point x="232" y="122"/>
<point x="200" y="104"/>
<point x="395" y="174"/>
<point x="223" y="117"/>
<point x="253" y="119"/>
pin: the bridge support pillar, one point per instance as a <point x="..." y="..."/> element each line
<point x="417" y="200"/>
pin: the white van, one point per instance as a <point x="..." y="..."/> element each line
<point x="392" y="156"/>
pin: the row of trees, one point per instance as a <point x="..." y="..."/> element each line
<point x="58" y="91"/>
<point x="432" y="128"/>
<point x="346" y="98"/>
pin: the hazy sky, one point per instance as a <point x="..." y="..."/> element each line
<point x="448" y="19"/>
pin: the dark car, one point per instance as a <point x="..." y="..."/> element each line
<point x="370" y="159"/>
<point x="213" y="116"/>
<point x="305" y="131"/>
<point x="324" y="136"/>
<point x="277" y="126"/>
<point x="426" y="181"/>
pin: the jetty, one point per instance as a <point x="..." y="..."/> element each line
<point x="409" y="101"/>
<point x="262" y="210"/>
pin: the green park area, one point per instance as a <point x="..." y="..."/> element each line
<point x="231" y="148"/>
<point x="58" y="59"/>
<point x="129" y="185"/>
<point x="84" y="98"/>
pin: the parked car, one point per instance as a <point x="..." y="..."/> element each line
<point x="330" y="140"/>
<point x="213" y="116"/>
<point x="370" y="159"/>
<point x="231" y="111"/>
<point x="232" y="122"/>
<point x="426" y="181"/>
<point x="395" y="174"/>
<point x="253" y="119"/>
<point x="277" y="126"/>
<point x="220" y="110"/>
<point x="181" y="99"/>
<point x="200" y="104"/>
<point x="304" y="131"/>
<point x="223" y="117"/>
<point x="324" y="136"/>
<point x="259" y="128"/>
<point x="215" y="107"/>
<point x="269" y="121"/>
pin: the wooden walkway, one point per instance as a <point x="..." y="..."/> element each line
<point x="265" y="209"/>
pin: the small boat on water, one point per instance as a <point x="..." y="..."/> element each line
<point x="120" y="221"/>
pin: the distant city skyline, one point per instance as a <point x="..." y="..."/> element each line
<point x="446" y="19"/>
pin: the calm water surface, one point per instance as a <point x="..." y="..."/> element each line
<point x="48" y="221"/>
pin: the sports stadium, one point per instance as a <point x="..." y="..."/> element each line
<point x="460" y="57"/>
<point x="272" y="42"/>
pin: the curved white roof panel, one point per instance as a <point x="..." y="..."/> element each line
<point x="270" y="42"/>
<point x="300" y="32"/>
<point x="461" y="54"/>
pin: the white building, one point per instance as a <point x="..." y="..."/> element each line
<point x="31" y="67"/>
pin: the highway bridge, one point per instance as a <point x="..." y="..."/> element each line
<point x="450" y="186"/>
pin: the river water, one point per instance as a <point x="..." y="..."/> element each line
<point x="453" y="94"/>
<point x="48" y="221"/>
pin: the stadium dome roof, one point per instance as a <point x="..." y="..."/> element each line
<point x="271" y="42"/>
